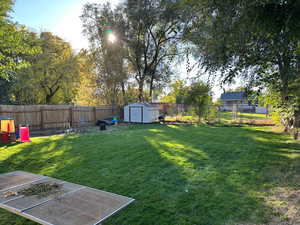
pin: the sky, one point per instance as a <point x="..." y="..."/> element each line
<point x="62" y="17"/>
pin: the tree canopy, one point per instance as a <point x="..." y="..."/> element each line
<point x="178" y="93"/>
<point x="16" y="42"/>
<point x="257" y="41"/>
<point x="150" y="30"/>
<point x="51" y="76"/>
<point x="198" y="96"/>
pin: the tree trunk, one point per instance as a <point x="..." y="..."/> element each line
<point x="283" y="71"/>
<point x="296" y="121"/>
<point x="141" y="91"/>
<point x="151" y="86"/>
<point x="51" y="94"/>
<point x="124" y="93"/>
<point x="114" y="96"/>
<point x="48" y="99"/>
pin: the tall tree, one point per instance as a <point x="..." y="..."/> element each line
<point x="111" y="65"/>
<point x="15" y="43"/>
<point x="178" y="93"/>
<point x="154" y="30"/>
<point x="149" y="30"/>
<point x="255" y="40"/>
<point x="199" y="97"/>
<point x="87" y="89"/>
<point x="52" y="76"/>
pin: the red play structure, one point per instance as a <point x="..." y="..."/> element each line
<point x="24" y="134"/>
<point x="8" y="131"/>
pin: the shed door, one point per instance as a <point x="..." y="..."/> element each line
<point x="136" y="114"/>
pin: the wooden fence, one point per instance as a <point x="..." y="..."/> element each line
<point x="171" y="108"/>
<point x="57" y="116"/>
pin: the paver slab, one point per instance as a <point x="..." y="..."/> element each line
<point x="86" y="206"/>
<point x="16" y="190"/>
<point x="17" y="178"/>
<point x="72" y="204"/>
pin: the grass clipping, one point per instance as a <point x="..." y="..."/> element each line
<point x="41" y="189"/>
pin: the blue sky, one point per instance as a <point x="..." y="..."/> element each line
<point x="61" y="17"/>
<point x="41" y="14"/>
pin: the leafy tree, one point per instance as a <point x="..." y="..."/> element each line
<point x="199" y="97"/>
<point x="149" y="30"/>
<point x="288" y="116"/>
<point x="178" y="93"/>
<point x="154" y="28"/>
<point x="255" y="40"/>
<point x="16" y="42"/>
<point x="5" y="7"/>
<point x="112" y="70"/>
<point x="132" y="93"/>
<point x="87" y="88"/>
<point x="52" y="76"/>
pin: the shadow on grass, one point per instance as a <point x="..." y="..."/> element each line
<point x="177" y="174"/>
<point x="230" y="115"/>
<point x="239" y="163"/>
<point x="10" y="144"/>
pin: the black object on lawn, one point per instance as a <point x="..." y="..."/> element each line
<point x="102" y="126"/>
<point x="162" y="117"/>
<point x="107" y="122"/>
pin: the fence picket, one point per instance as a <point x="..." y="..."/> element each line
<point x="56" y="116"/>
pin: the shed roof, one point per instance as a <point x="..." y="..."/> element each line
<point x="144" y="104"/>
<point x="236" y="95"/>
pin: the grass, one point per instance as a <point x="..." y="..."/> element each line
<point x="181" y="175"/>
<point x="246" y="118"/>
<point x="229" y="116"/>
<point x="225" y="116"/>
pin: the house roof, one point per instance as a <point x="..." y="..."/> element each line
<point x="236" y="95"/>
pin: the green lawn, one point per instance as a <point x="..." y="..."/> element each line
<point x="178" y="174"/>
<point x="225" y="117"/>
<point x="229" y="116"/>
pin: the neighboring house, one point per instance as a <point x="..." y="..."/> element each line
<point x="233" y="98"/>
<point x="237" y="99"/>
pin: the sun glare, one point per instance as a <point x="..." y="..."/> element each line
<point x="112" y="38"/>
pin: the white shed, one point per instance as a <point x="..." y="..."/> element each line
<point x="141" y="113"/>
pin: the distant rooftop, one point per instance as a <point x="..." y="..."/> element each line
<point x="236" y="95"/>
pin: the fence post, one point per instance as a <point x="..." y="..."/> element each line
<point x="42" y="118"/>
<point x="219" y="114"/>
<point x="95" y="114"/>
<point x="121" y="113"/>
<point x="71" y="116"/>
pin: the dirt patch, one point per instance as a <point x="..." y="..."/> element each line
<point x="41" y="190"/>
<point x="286" y="202"/>
<point x="257" y="122"/>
